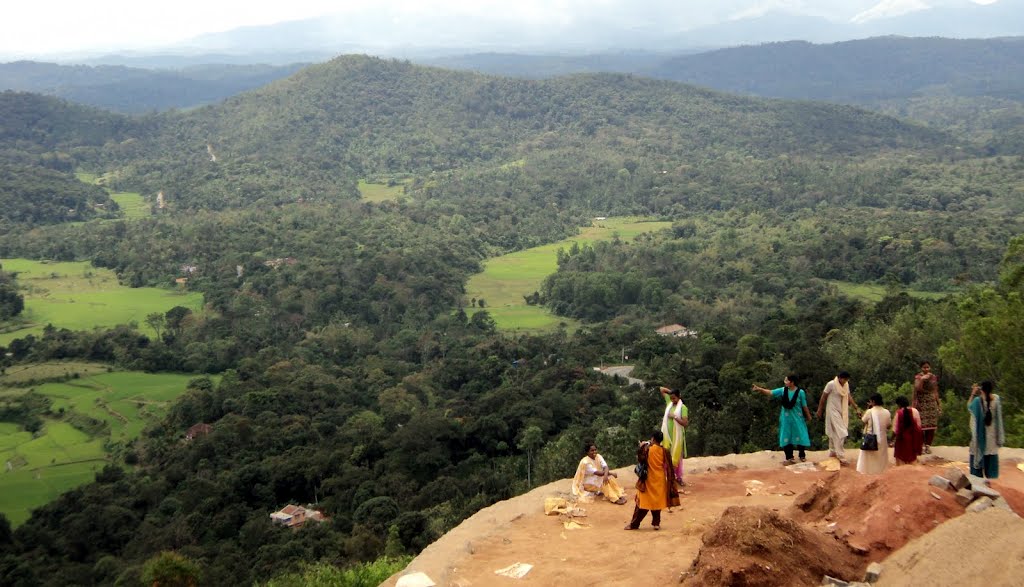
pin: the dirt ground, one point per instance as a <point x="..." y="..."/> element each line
<point x="758" y="546"/>
<point x="870" y="516"/>
<point x="974" y="549"/>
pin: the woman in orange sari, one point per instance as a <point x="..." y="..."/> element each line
<point x="656" y="484"/>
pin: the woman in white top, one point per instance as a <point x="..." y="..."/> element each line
<point x="594" y="479"/>
<point x="877" y="421"/>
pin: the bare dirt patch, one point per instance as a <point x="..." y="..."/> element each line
<point x="974" y="549"/>
<point x="758" y="546"/>
<point x="876" y="514"/>
<point x="600" y="553"/>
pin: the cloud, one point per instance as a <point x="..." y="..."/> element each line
<point x="889" y="9"/>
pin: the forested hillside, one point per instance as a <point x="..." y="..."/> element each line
<point x="41" y="142"/>
<point x="352" y="375"/>
<point x="132" y="90"/>
<point x="39" y="195"/>
<point x="861" y="72"/>
<point x="972" y="86"/>
<point x="309" y="136"/>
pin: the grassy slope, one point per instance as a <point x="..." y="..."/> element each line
<point x="132" y="204"/>
<point x="22" y="374"/>
<point x="874" y="293"/>
<point x="79" y="296"/>
<point x="378" y="192"/>
<point x="62" y="457"/>
<point x="506" y="279"/>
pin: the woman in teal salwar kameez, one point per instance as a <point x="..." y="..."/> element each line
<point x="792" y="425"/>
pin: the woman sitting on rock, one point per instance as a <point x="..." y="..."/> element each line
<point x="594" y="479"/>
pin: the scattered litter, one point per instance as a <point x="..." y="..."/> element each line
<point x="831" y="464"/>
<point x="516" y="571"/>
<point x="1020" y="466"/>
<point x="415" y="580"/>
<point x="802" y="467"/>
<point x="897" y="508"/>
<point x="755" y="487"/>
<point x="574" y="525"/>
<point x="935" y="495"/>
<point x="555" y="505"/>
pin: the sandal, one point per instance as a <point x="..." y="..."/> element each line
<point x="803" y="459"/>
<point x="656" y="527"/>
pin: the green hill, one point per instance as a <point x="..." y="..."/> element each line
<point x="354" y="377"/>
<point x="866" y="71"/>
<point x="312" y="135"/>
<point x="973" y="86"/>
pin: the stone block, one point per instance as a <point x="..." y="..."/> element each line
<point x="982" y="489"/>
<point x="833" y="582"/>
<point x="957" y="478"/>
<point x="964" y="497"/>
<point x="873" y="573"/>
<point x="940" y="482"/>
<point x="981" y="504"/>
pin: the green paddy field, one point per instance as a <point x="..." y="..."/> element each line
<point x="78" y="296"/>
<point x="506" y="279"/>
<point x="379" y="192"/>
<point x="36" y="468"/>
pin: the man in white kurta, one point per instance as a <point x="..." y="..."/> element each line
<point x="835" y="402"/>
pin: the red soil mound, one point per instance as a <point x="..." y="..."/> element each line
<point x="876" y="514"/>
<point x="758" y="546"/>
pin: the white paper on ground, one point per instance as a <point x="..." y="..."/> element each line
<point x="516" y="571"/>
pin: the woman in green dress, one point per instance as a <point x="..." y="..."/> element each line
<point x="792" y="427"/>
<point x="673" y="426"/>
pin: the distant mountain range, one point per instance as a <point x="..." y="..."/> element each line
<point x="859" y="72"/>
<point x="974" y="87"/>
<point x="134" y="90"/>
<point x="614" y="26"/>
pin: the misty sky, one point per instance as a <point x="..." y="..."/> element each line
<point x="38" y="28"/>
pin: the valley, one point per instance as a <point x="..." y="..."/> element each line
<point x="384" y="287"/>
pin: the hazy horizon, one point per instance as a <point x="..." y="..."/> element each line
<point x="109" y="26"/>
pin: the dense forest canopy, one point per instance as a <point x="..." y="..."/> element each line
<point x="971" y="86"/>
<point x="352" y="376"/>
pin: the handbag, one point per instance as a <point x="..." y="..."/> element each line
<point x="870" y="441"/>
